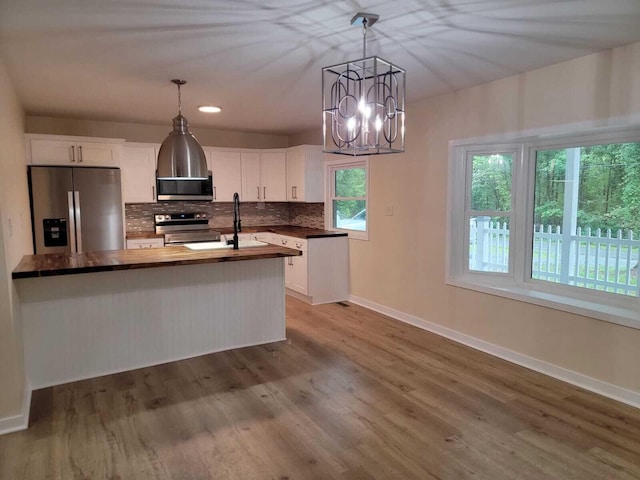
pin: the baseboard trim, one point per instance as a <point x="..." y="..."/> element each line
<point x="18" y="422"/>
<point x="609" y="390"/>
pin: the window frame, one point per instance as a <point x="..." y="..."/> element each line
<point x="519" y="284"/>
<point x="331" y="166"/>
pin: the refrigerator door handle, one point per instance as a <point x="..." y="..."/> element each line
<point x="72" y="222"/>
<point x="76" y="196"/>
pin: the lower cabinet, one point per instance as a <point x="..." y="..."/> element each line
<point x="321" y="273"/>
<point x="145" y="243"/>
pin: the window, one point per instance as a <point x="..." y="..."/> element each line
<point x="489" y="210"/>
<point x="347" y="197"/>
<point x="550" y="220"/>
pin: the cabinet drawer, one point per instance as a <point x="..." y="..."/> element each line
<point x="291" y="242"/>
<point x="145" y="243"/>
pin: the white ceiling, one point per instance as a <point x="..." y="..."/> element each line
<point x="261" y="60"/>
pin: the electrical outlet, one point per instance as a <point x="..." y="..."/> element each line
<point x="389" y="211"/>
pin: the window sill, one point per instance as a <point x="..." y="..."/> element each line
<point x="625" y="316"/>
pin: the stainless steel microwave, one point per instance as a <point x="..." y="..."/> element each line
<point x="185" y="189"/>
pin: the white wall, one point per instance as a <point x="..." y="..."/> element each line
<point x="403" y="264"/>
<point x="15" y="241"/>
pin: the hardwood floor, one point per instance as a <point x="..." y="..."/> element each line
<point x="351" y="395"/>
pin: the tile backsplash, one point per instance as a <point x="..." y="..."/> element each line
<point x="140" y="215"/>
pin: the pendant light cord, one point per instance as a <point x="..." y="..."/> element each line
<point x="179" y="101"/>
<point x="364" y="38"/>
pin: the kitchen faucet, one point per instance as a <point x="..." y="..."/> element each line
<point x="237" y="225"/>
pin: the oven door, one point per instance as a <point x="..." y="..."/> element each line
<point x="185" y="189"/>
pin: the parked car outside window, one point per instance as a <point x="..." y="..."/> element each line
<point x="357" y="222"/>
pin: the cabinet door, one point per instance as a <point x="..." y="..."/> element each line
<point x="298" y="276"/>
<point x="98" y="154"/>
<point x="251" y="191"/>
<point x="273" y="173"/>
<point x="295" y="175"/>
<point x="227" y="175"/>
<point x="66" y="152"/>
<point x="305" y="174"/>
<point x="138" y="168"/>
<point x="53" y="152"/>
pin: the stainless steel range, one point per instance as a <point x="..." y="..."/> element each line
<point x="179" y="228"/>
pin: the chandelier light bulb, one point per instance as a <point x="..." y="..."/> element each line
<point x="364" y="108"/>
<point x="351" y="124"/>
<point x="378" y="123"/>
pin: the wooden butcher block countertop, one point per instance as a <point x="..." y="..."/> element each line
<point x="288" y="230"/>
<point x="73" y="263"/>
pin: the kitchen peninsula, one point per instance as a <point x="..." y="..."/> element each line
<point x="91" y="314"/>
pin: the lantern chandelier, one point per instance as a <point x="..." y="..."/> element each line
<point x="363" y="103"/>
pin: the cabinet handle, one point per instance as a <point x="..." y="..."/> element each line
<point x="296" y="194"/>
<point x="264" y="194"/>
<point x="80" y="154"/>
<point x="258" y="188"/>
<point x="73" y="153"/>
<point x="215" y="193"/>
<point x="153" y="192"/>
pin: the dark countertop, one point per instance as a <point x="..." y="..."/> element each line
<point x="289" y="230"/>
<point x="73" y="263"/>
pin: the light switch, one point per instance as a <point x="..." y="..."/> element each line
<point x="389" y="211"/>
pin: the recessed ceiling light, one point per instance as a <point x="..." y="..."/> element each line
<point x="209" y="109"/>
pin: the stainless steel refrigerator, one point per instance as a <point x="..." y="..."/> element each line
<point x="76" y="209"/>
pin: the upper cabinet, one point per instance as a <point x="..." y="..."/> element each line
<point x="226" y="167"/>
<point x="305" y="174"/>
<point x="293" y="174"/>
<point x="138" y="167"/>
<point x="273" y="173"/>
<point x="73" y="151"/>
<point x="264" y="176"/>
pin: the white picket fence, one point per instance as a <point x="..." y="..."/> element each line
<point x="593" y="259"/>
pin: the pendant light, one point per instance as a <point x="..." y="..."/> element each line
<point x="363" y="103"/>
<point x="180" y="155"/>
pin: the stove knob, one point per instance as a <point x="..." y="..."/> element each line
<point x="197" y="215"/>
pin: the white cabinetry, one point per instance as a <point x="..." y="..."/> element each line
<point x="273" y="174"/>
<point x="264" y="176"/>
<point x="145" y="243"/>
<point x="296" y="268"/>
<point x="321" y="274"/>
<point x="226" y="167"/>
<point x="73" y="151"/>
<point x="250" y="177"/>
<point x="138" y="166"/>
<point x="305" y="174"/>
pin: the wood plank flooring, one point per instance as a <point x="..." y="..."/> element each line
<point x="351" y="395"/>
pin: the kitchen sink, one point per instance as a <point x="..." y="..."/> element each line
<point x="223" y="245"/>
